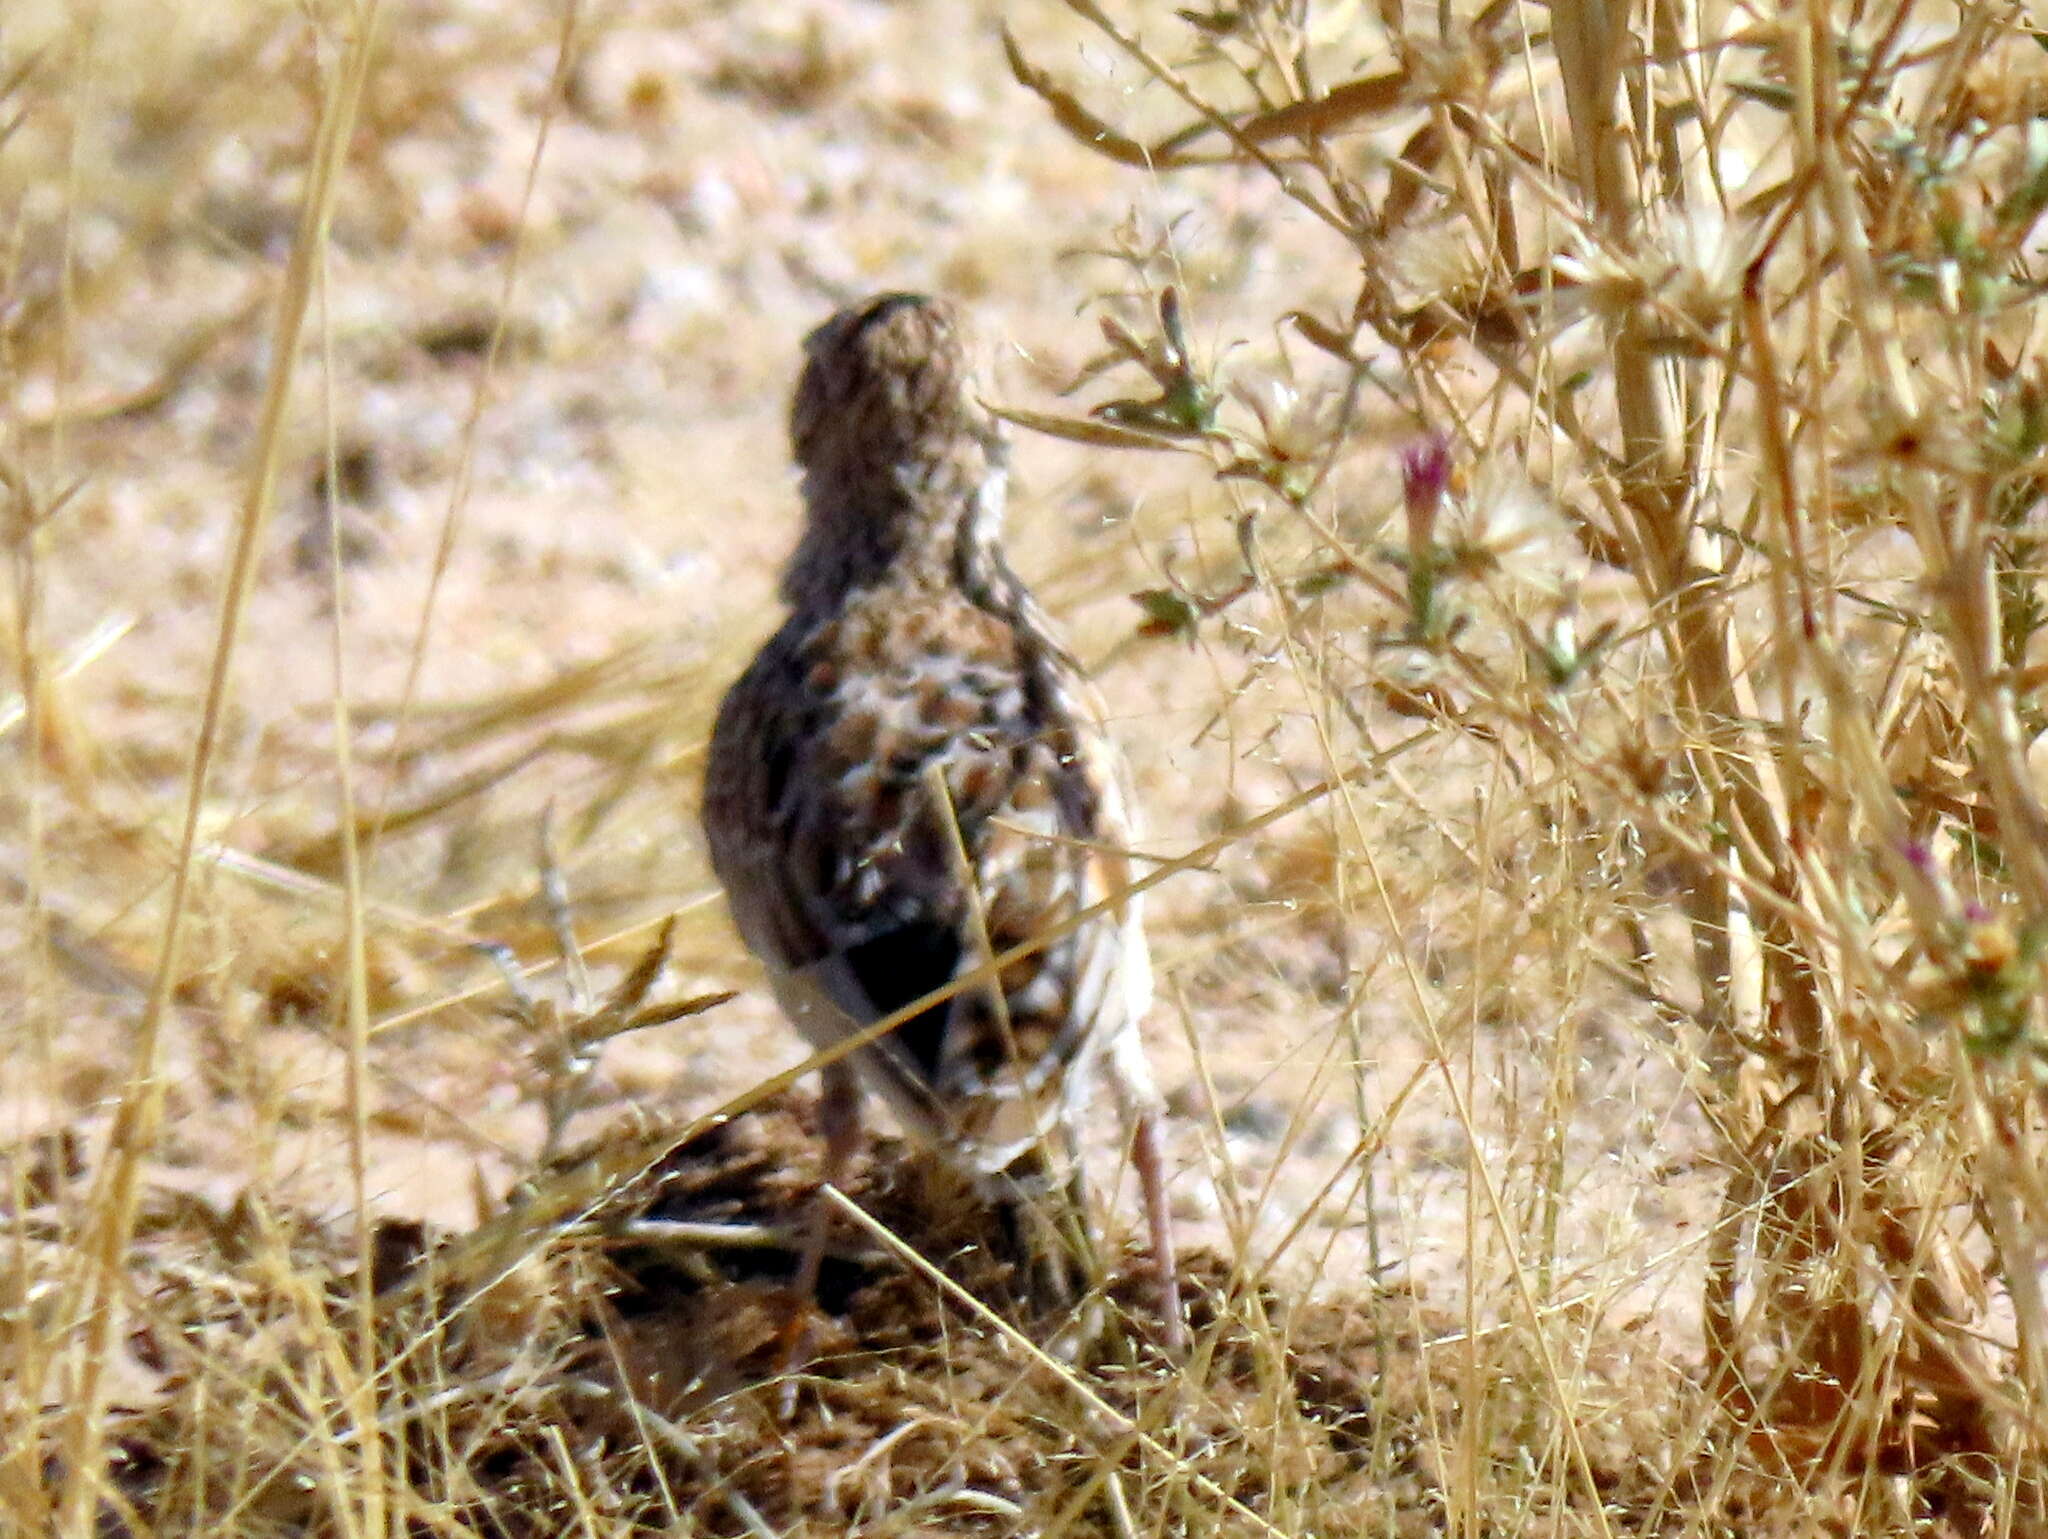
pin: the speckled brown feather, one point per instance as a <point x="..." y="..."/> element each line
<point x="916" y="686"/>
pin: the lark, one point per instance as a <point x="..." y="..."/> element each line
<point x="911" y="783"/>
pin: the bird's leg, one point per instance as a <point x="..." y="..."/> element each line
<point x="1148" y="1154"/>
<point x="1139" y="1101"/>
<point x="839" y="1121"/>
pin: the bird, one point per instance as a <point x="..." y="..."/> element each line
<point x="911" y="782"/>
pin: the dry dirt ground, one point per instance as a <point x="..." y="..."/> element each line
<point x="558" y="319"/>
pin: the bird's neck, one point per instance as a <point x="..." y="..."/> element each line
<point x="928" y="526"/>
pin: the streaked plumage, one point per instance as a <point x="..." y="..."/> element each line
<point x="915" y="720"/>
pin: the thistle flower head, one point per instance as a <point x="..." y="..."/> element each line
<point x="1425" y="479"/>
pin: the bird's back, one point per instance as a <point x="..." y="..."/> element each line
<point x="871" y="758"/>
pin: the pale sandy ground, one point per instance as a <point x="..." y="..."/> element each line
<point x="718" y="181"/>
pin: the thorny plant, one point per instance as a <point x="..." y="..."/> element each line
<point x="1750" y="296"/>
<point x="567" y="1042"/>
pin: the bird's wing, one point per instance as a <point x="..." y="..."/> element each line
<point x="855" y="781"/>
<point x="786" y="847"/>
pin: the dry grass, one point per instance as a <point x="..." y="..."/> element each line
<point x="1577" y="471"/>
